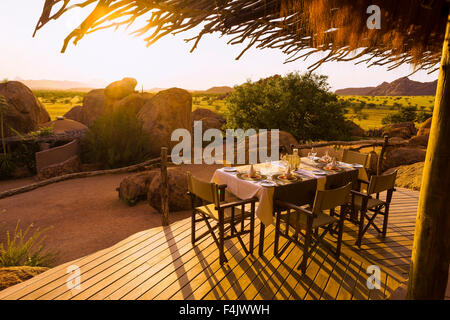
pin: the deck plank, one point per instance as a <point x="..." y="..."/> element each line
<point x="161" y="263"/>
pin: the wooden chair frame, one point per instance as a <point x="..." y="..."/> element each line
<point x="312" y="237"/>
<point x="223" y="225"/>
<point x="376" y="210"/>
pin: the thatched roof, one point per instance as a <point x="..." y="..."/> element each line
<point x="412" y="31"/>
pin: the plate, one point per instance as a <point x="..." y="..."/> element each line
<point x="229" y="169"/>
<point x="318" y="172"/>
<point x="268" y="184"/>
<point x="282" y="177"/>
<point x="357" y="165"/>
<point x="245" y="176"/>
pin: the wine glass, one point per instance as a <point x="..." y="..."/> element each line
<point x="313" y="153"/>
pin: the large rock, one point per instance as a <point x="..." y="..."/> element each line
<point x="409" y="176"/>
<point x="355" y="130"/>
<point x="425" y="127"/>
<point x="65" y="126"/>
<point x="120" y="89"/>
<point x="135" y="187"/>
<point x="201" y="113"/>
<point x="404" y="130"/>
<point x="402" y="156"/>
<point x="24" y="112"/>
<point x="178" y="198"/>
<point x="286" y="144"/>
<point x="134" y="102"/>
<point x="168" y="110"/>
<point x="75" y="114"/>
<point x="10" y="276"/>
<point x="421" y="140"/>
<point x="211" y="123"/>
<point x="95" y="104"/>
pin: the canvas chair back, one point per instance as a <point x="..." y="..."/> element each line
<point x="329" y="199"/>
<point x="299" y="194"/>
<point x="350" y="156"/>
<point x="204" y="190"/>
<point x="382" y="183"/>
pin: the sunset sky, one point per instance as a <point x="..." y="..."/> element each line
<point x="106" y="56"/>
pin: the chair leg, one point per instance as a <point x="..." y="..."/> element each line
<point x="385" y="221"/>
<point x="262" y="229"/>
<point x="339" y="238"/>
<point x="306" y="252"/>
<point x="252" y="233"/>
<point x="221" y="243"/>
<point x="277" y="236"/>
<point x="193" y="228"/>
<point x="361" y="227"/>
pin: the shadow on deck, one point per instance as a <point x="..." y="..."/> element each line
<point x="161" y="263"/>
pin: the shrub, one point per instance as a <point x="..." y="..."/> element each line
<point x="422" y="116"/>
<point x="404" y="115"/>
<point x="42" y="132"/>
<point x="299" y="104"/>
<point x="7" y="165"/>
<point x="116" y="139"/>
<point x="25" y="249"/>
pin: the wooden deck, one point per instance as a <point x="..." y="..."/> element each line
<point x="161" y="263"/>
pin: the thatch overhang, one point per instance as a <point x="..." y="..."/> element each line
<point x="412" y="31"/>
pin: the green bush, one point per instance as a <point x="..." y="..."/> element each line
<point x="299" y="104"/>
<point x="117" y="139"/>
<point x="25" y="249"/>
<point x="422" y="116"/>
<point x="404" y="115"/>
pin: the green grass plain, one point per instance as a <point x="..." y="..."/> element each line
<point x="58" y="103"/>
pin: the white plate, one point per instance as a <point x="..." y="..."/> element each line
<point x="229" y="169"/>
<point x="319" y="172"/>
<point x="357" y="165"/>
<point x="268" y="184"/>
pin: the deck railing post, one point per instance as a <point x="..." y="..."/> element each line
<point x="164" y="188"/>
<point x="383" y="151"/>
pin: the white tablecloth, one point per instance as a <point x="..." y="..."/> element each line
<point x="244" y="189"/>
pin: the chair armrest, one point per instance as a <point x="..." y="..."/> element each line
<point x="237" y="203"/>
<point x="293" y="206"/>
<point x="358" y="193"/>
<point x="363" y="181"/>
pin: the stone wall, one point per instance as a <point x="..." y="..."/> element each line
<point x="56" y="155"/>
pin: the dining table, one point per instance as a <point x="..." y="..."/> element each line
<point x="272" y="175"/>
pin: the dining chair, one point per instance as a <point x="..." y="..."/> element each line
<point x="304" y="221"/>
<point x="208" y="202"/>
<point x="350" y="156"/>
<point x="370" y="202"/>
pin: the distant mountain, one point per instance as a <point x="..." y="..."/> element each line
<point x="56" y="85"/>
<point x="221" y="90"/>
<point x="400" y="87"/>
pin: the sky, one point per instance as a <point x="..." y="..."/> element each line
<point x="109" y="55"/>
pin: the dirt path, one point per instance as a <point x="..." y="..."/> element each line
<point x="86" y="213"/>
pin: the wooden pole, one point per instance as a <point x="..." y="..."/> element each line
<point x="382" y="152"/>
<point x="429" y="268"/>
<point x="164" y="188"/>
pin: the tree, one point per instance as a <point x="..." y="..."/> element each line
<point x="297" y="103"/>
